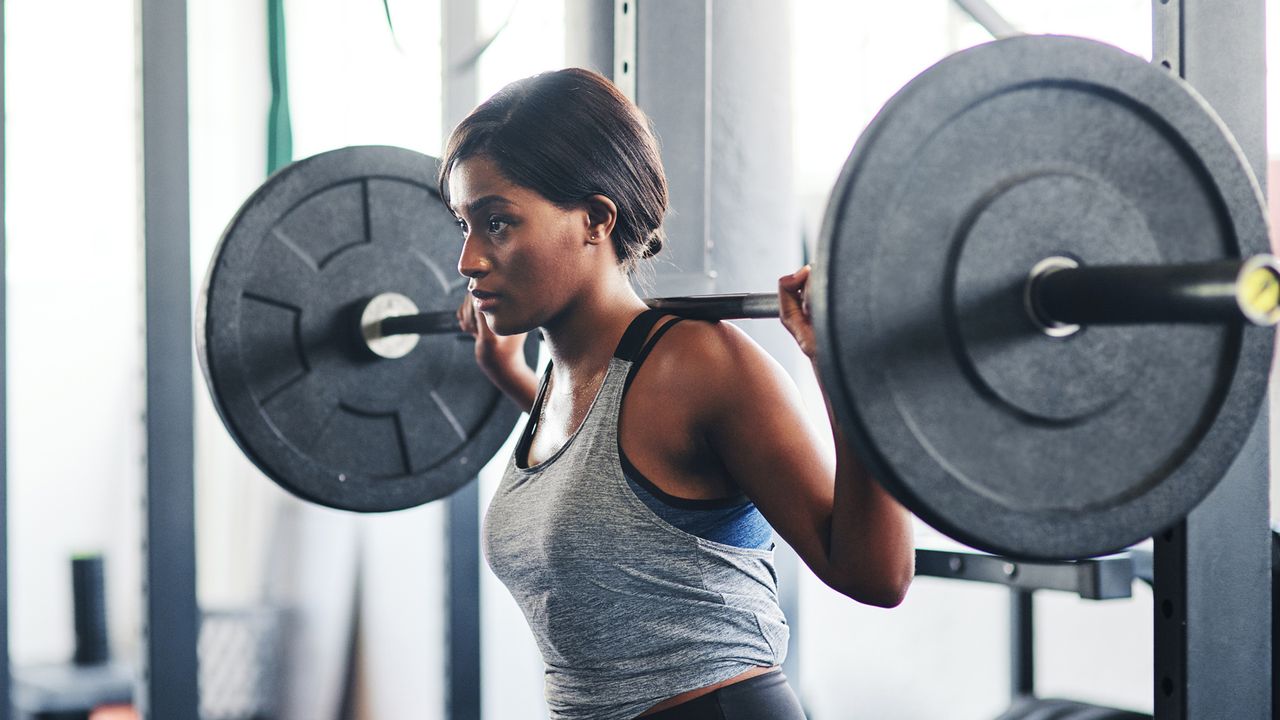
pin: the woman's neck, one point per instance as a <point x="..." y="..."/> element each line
<point x="582" y="338"/>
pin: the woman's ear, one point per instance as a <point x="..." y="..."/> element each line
<point x="602" y="214"/>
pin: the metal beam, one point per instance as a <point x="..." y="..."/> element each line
<point x="1022" y="644"/>
<point x="463" y="632"/>
<point x="588" y="35"/>
<point x="460" y="55"/>
<point x="1102" y="578"/>
<point x="988" y="17"/>
<point x="6" y="707"/>
<point x="623" y="67"/>
<point x="171" y="623"/>
<point x="1213" y="570"/>
<point x="672" y="75"/>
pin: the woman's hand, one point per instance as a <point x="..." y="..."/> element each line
<point x="500" y="357"/>
<point x="793" y="304"/>
<point x="494" y="353"/>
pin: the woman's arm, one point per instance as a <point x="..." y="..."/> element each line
<point x="871" y="550"/>
<point x="841" y="522"/>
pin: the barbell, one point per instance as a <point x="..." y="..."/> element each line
<point x="1040" y="293"/>
<point x="1059" y="296"/>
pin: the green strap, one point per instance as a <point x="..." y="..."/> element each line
<point x="279" y="129"/>
<point x="386" y="6"/>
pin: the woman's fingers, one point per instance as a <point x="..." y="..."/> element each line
<point x="483" y="331"/>
<point x="793" y="308"/>
<point x="792" y="291"/>
<point x="792" y="301"/>
<point x="467" y="316"/>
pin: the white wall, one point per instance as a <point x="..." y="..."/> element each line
<point x="75" y="368"/>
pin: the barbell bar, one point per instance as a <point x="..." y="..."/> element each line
<point x="1060" y="297"/>
<point x="390" y="323"/>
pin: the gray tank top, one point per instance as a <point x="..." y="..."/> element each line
<point x="626" y="609"/>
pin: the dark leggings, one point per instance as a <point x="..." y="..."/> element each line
<point x="763" y="697"/>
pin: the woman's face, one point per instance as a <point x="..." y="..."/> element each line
<point x="523" y="254"/>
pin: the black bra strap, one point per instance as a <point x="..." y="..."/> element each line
<point x="531" y="425"/>
<point x="633" y="339"/>
<point x="644" y="352"/>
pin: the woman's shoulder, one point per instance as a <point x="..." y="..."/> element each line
<point x="700" y="356"/>
<point x="706" y="341"/>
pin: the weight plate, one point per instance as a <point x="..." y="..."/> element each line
<point x="279" y="340"/>
<point x="987" y="428"/>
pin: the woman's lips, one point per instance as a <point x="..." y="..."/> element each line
<point x="484" y="300"/>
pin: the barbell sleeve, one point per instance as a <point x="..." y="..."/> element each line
<point x="1062" y="293"/>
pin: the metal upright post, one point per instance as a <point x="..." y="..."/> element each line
<point x="171" y="622"/>
<point x="1022" y="644"/>
<point x="671" y="76"/>
<point x="588" y="35"/>
<point x="460" y="88"/>
<point x="6" y="706"/>
<point x="1213" y="570"/>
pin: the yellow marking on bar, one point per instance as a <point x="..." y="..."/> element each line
<point x="1258" y="293"/>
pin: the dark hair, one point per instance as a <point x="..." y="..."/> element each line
<point x="568" y="135"/>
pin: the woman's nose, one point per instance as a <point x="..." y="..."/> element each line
<point x="472" y="263"/>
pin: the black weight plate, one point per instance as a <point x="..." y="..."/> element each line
<point x="278" y="340"/>
<point x="996" y="434"/>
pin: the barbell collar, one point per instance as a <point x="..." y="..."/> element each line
<point x="390" y="345"/>
<point x="1063" y="295"/>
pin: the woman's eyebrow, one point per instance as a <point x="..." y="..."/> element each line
<point x="479" y="204"/>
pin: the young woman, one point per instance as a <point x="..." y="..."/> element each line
<point x="633" y="524"/>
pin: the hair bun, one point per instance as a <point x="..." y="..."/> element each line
<point x="653" y="245"/>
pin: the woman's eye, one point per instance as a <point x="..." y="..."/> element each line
<point x="496" y="225"/>
<point x="462" y="225"/>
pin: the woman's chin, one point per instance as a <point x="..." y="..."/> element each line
<point x="506" y="326"/>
